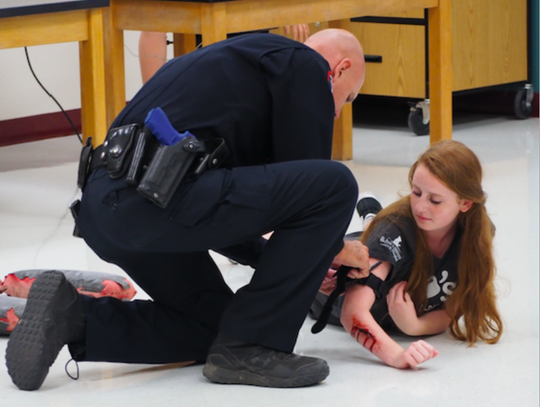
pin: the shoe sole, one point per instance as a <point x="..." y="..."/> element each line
<point x="219" y="375"/>
<point x="28" y="355"/>
<point x="361" y="209"/>
<point x="363" y="196"/>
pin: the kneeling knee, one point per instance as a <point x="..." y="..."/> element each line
<point x="342" y="178"/>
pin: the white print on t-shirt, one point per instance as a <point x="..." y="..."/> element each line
<point x="434" y="287"/>
<point x="393" y="246"/>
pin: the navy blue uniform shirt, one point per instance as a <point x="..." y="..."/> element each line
<point x="268" y="96"/>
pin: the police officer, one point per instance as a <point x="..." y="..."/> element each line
<point x="273" y="101"/>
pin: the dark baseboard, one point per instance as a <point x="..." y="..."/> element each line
<point x="491" y="101"/>
<point x="39" y="127"/>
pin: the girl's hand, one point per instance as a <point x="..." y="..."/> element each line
<point x="329" y="283"/>
<point x="401" y="309"/>
<point x="418" y="352"/>
<point x="300" y="32"/>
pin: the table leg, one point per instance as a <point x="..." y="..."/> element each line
<point x="114" y="68"/>
<point x="184" y="43"/>
<point x="342" y="143"/>
<point x="92" y="64"/>
<point x="342" y="148"/>
<point x="440" y="71"/>
<point x="213" y="23"/>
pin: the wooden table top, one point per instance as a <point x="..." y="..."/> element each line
<point x="202" y="1"/>
<point x="17" y="8"/>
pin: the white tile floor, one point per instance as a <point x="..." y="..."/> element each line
<point x="37" y="183"/>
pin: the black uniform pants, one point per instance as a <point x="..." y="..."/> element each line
<point x="308" y="204"/>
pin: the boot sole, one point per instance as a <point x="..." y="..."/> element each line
<point x="29" y="352"/>
<point x="220" y="375"/>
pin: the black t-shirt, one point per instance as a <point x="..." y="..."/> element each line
<point x="396" y="245"/>
<point x="269" y="97"/>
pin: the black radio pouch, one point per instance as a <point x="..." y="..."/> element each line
<point x="84" y="163"/>
<point x="118" y="148"/>
<point x="167" y="169"/>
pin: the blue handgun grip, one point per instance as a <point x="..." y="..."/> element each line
<point x="159" y="124"/>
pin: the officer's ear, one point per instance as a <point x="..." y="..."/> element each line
<point x="342" y="67"/>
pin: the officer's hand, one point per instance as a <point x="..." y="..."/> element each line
<point x="300" y="32"/>
<point x="354" y="254"/>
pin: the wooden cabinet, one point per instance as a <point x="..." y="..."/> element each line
<point x="489" y="48"/>
<point x="489" y="42"/>
<point x="402" y="70"/>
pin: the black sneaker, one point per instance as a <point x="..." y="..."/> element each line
<point x="367" y="207"/>
<point x="234" y="362"/>
<point x="53" y="316"/>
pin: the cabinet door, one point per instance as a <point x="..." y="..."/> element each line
<point x="402" y="71"/>
<point x="489" y="40"/>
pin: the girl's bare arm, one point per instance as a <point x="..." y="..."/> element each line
<point x="403" y="313"/>
<point x="358" y="321"/>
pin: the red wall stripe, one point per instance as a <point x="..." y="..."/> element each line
<point x="39" y="127"/>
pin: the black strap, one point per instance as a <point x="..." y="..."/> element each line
<point x="374" y="282"/>
<point x="342" y="283"/>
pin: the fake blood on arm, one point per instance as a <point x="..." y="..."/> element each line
<point x="363" y="336"/>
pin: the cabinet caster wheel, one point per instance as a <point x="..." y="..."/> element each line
<point x="418" y="119"/>
<point x="523" y="102"/>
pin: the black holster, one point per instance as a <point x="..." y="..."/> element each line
<point x="171" y="164"/>
<point x="155" y="170"/>
<point x="167" y="169"/>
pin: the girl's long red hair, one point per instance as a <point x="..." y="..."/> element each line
<point x="474" y="298"/>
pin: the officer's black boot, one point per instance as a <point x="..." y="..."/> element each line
<point x="233" y="362"/>
<point x="53" y="316"/>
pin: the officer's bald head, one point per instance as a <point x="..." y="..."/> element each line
<point x="345" y="56"/>
<point x="335" y="40"/>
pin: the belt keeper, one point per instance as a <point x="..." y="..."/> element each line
<point x="216" y="151"/>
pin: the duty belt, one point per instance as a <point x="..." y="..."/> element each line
<point x="154" y="169"/>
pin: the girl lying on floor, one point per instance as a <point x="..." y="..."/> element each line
<point x="434" y="254"/>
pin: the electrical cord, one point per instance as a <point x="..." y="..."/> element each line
<point x="51" y="96"/>
<point x="56" y="101"/>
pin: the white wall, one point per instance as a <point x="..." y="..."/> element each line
<point x="57" y="68"/>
